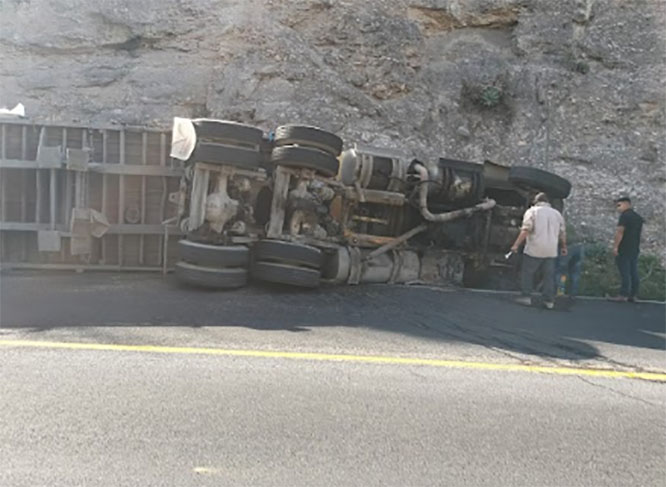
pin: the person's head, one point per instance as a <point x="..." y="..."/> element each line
<point x="541" y="198"/>
<point x="622" y="204"/>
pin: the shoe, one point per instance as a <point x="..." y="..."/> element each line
<point x="549" y="305"/>
<point x="618" y="299"/>
<point x="524" y="300"/>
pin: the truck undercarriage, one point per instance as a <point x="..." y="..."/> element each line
<point x="301" y="211"/>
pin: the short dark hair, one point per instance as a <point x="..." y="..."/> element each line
<point x="541" y="198"/>
<point x="623" y="199"/>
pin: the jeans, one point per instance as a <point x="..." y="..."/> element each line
<point x="571" y="265"/>
<point x="532" y="265"/>
<point x="628" y="267"/>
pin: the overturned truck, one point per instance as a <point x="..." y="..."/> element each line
<point x="291" y="207"/>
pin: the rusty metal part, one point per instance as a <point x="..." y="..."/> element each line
<point x="488" y="204"/>
<point x="396" y="241"/>
<point x="220" y="208"/>
<point x="375" y="196"/>
<point x="309" y="175"/>
<point x="281" y="178"/>
<point x="322" y="243"/>
<point x="369" y="219"/>
<point x="200" y="183"/>
<point x="365" y="240"/>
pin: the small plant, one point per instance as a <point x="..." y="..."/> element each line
<point x="574" y="63"/>
<point x="582" y="67"/>
<point x="490" y="96"/>
<point x="486" y="94"/>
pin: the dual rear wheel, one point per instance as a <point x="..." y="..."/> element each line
<point x="226" y="267"/>
<point x="212" y="266"/>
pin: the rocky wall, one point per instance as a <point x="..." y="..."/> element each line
<point x="572" y="86"/>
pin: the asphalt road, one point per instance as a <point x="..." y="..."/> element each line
<point x="127" y="414"/>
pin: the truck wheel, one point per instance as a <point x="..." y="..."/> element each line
<point x="551" y="184"/>
<point x="304" y="157"/>
<point x="226" y="155"/>
<point x="199" y="276"/>
<point x="286" y="274"/>
<point x="224" y="131"/>
<point x="213" y="255"/>
<point x="288" y="253"/>
<point x="308" y="137"/>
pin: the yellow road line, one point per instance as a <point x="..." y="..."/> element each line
<point x="375" y="359"/>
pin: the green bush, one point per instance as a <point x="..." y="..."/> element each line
<point x="600" y="275"/>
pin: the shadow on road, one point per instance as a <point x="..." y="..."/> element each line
<point x="31" y="300"/>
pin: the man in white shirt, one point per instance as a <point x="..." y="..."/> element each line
<point x="543" y="227"/>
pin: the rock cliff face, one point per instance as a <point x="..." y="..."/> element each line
<point x="572" y="86"/>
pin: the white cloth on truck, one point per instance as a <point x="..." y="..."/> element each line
<point x="18" y="111"/>
<point x="183" y="138"/>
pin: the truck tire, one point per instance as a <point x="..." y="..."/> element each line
<point x="226" y="155"/>
<point x="216" y="256"/>
<point x="225" y="131"/>
<point x="199" y="276"/>
<point x="288" y="253"/>
<point x="551" y="184"/>
<point x="286" y="274"/>
<point x="291" y="156"/>
<point x="308" y="137"/>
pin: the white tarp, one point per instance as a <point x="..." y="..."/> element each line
<point x="18" y="111"/>
<point x="183" y="138"/>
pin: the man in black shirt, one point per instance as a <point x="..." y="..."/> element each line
<point x="626" y="249"/>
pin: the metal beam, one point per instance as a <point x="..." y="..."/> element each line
<point x="124" y="229"/>
<point x="79" y="267"/>
<point x="24" y="175"/>
<point x="38" y="196"/>
<point x="53" y="188"/>
<point x="128" y="128"/>
<point x="121" y="195"/>
<point x="100" y="167"/>
<point x="3" y="177"/>
<point x="279" y="204"/>
<point x="200" y="182"/>
<point x="29" y="227"/>
<point x="375" y="196"/>
<point x="144" y="162"/>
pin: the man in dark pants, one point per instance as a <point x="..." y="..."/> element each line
<point x="626" y="249"/>
<point x="542" y="228"/>
<point x="571" y="266"/>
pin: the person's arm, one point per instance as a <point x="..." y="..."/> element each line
<point x="619" y="234"/>
<point x="525" y="229"/>
<point x="522" y="236"/>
